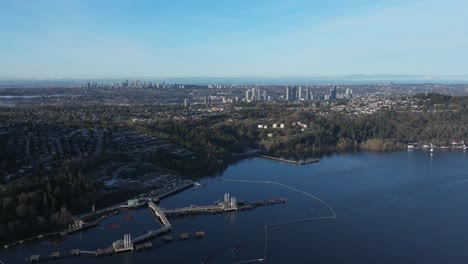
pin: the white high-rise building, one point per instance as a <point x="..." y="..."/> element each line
<point x="247" y="95"/>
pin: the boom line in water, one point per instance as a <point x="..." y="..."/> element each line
<point x="288" y="187"/>
<point x="333" y="216"/>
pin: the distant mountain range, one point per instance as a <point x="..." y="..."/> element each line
<point x="406" y="76"/>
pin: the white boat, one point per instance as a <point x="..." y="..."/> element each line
<point x="198" y="185"/>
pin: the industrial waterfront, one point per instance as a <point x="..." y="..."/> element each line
<point x="390" y="208"/>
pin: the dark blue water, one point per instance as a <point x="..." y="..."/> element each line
<point x="404" y="207"/>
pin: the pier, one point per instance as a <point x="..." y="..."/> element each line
<point x="195" y="210"/>
<point x="159" y="214"/>
<point x="229" y="204"/>
<point x="160" y="217"/>
<point x="111" y="250"/>
<point x="294" y="162"/>
<point x="139" y="243"/>
<point x="174" y="191"/>
<point x="221" y="207"/>
<point x="78" y="226"/>
<point x="42" y="236"/>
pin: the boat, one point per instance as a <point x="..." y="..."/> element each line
<point x="113" y="227"/>
<point x="198" y="185"/>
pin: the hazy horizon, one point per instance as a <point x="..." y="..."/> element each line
<point x="338" y="80"/>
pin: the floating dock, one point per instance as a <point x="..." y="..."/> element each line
<point x="294" y="162"/>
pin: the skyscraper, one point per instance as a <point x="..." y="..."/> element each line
<point x="294" y="93"/>
<point x="333" y="93"/>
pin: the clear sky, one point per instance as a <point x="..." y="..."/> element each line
<point x="251" y="38"/>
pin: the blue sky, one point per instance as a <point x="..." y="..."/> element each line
<point x="251" y="38"/>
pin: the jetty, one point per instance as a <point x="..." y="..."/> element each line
<point x="294" y="162"/>
<point x="78" y="226"/>
<point x="125" y="246"/>
<point x="161" y="218"/>
<point x="229" y="204"/>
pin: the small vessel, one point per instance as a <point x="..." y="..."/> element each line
<point x="113" y="227"/>
<point x="198" y="185"/>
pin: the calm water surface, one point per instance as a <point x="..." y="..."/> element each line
<point x="403" y="207"/>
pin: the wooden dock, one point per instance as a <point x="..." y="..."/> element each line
<point x="294" y="162"/>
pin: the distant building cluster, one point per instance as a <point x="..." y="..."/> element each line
<point x="300" y="93"/>
<point x="133" y="84"/>
<point x="256" y="94"/>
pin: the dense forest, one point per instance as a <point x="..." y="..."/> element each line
<point x="213" y="145"/>
<point x="38" y="202"/>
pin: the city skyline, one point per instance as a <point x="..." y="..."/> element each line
<point x="86" y="39"/>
